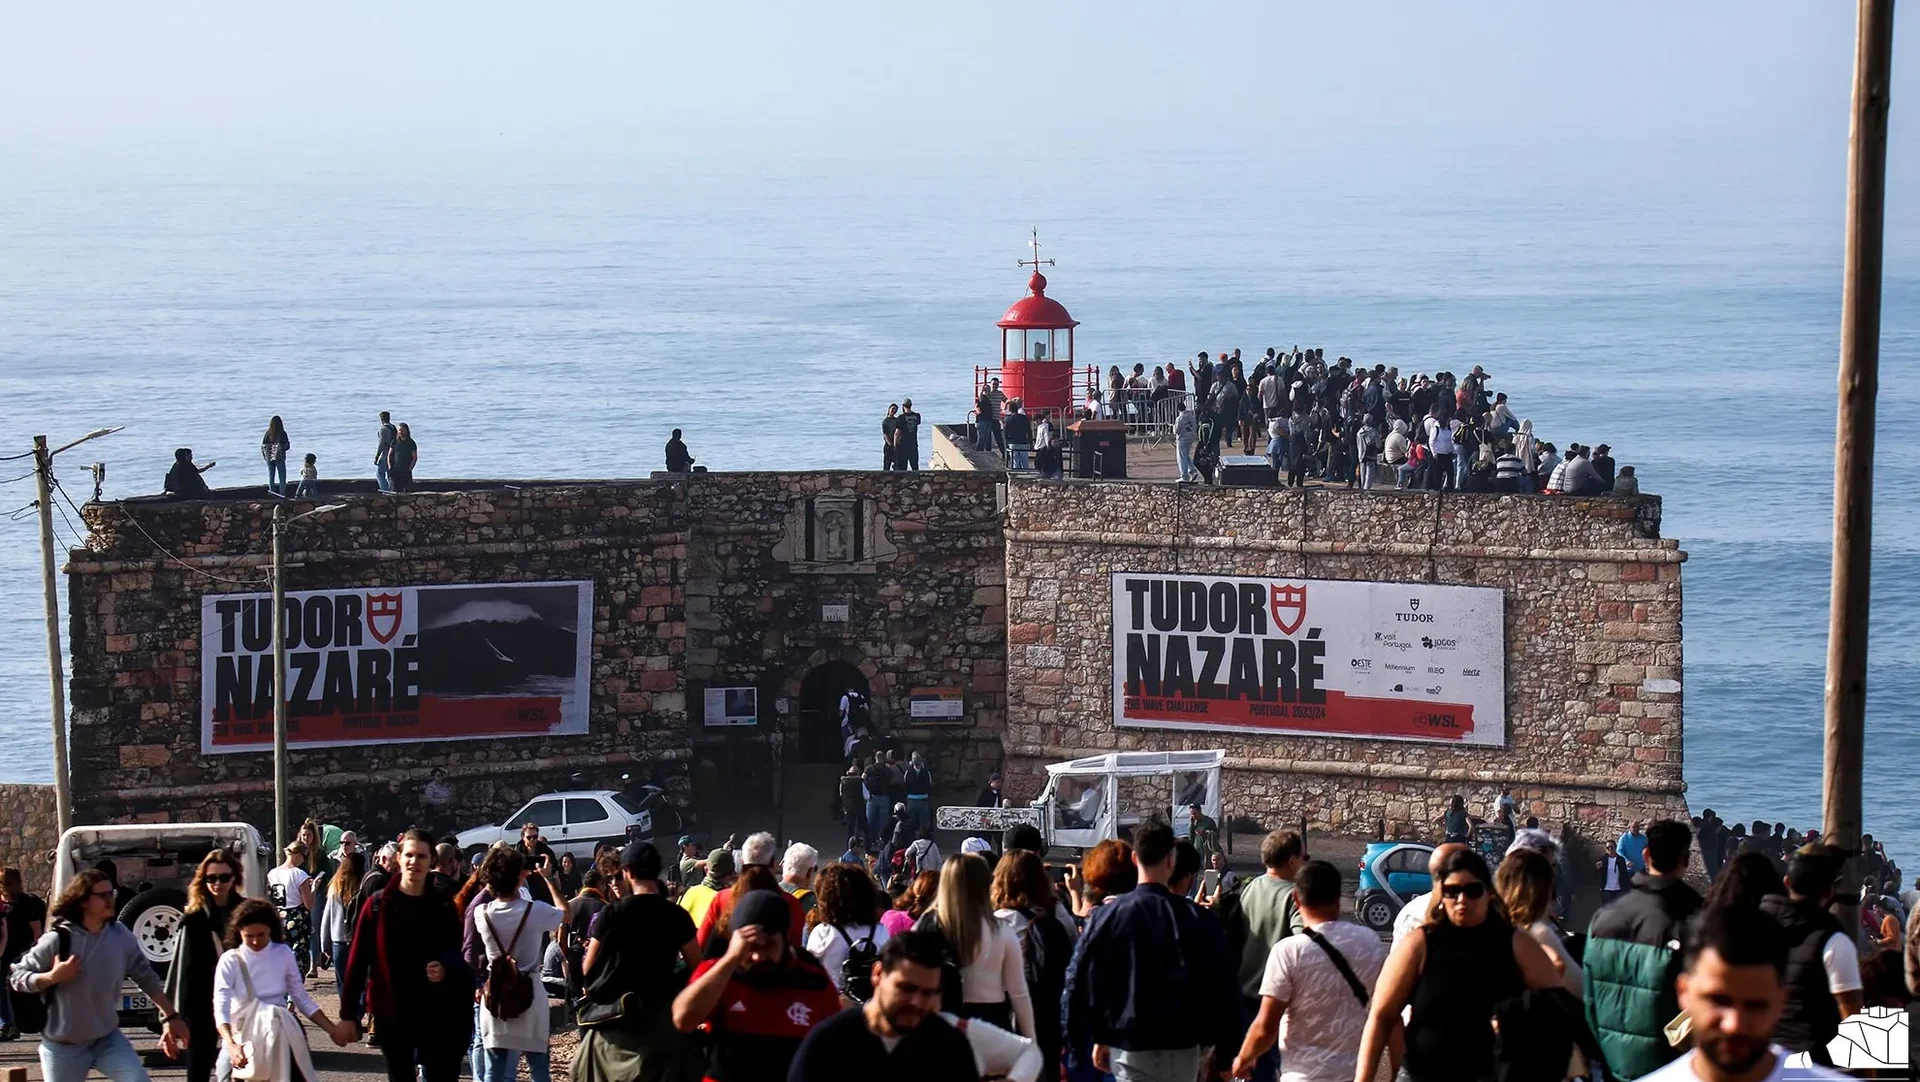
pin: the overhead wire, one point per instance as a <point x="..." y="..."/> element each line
<point x="162" y="549"/>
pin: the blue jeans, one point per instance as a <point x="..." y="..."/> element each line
<point x="920" y="811"/>
<point x="381" y="478"/>
<point x="479" y="1054"/>
<point x="277" y="476"/>
<point x="1019" y="453"/>
<point x="1160" y="1065"/>
<point x="112" y="1055"/>
<point x="879" y="817"/>
<point x="1183" y="454"/>
<point x="504" y="1064"/>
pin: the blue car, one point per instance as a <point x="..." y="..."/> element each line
<point x="1390" y="874"/>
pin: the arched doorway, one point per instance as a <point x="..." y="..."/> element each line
<point x="820" y="739"/>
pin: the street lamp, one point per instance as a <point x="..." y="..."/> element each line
<point x="280" y="523"/>
<point x="43" y="482"/>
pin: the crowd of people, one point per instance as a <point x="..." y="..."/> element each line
<point x="756" y="962"/>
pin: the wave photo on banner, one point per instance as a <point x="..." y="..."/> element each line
<point x="380" y="665"/>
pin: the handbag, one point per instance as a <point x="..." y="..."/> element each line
<point x="593" y="1015"/>
<point x="253" y="1024"/>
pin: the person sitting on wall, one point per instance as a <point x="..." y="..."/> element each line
<point x="678" y="460"/>
<point x="183" y="479"/>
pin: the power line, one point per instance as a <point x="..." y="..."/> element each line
<point x="22" y="477"/>
<point x="198" y="571"/>
<point x="15" y="458"/>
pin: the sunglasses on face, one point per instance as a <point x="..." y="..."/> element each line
<point x="107" y="894"/>
<point x="1472" y="892"/>
<point x="220" y="878"/>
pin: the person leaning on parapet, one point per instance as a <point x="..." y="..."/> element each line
<point x="678" y="460"/>
<point x="183" y="478"/>
<point x="1625" y="483"/>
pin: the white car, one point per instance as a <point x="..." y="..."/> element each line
<point x="573" y="822"/>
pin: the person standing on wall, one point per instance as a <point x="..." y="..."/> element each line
<point x="273" y="448"/>
<point x="889" y="452"/>
<point x="907" y="437"/>
<point x="382" y="476"/>
<point x="405" y="961"/>
<point x="401" y="459"/>
<point x="83" y="960"/>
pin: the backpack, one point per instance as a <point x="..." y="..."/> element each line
<point x="856" y="971"/>
<point x="508" y="992"/>
<point x="952" y="999"/>
<point x="30" y="1012"/>
<point x="1045" y="949"/>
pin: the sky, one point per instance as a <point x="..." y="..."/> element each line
<point x="1018" y="83"/>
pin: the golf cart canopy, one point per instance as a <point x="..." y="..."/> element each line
<point x="1081" y="802"/>
<point x="82" y="847"/>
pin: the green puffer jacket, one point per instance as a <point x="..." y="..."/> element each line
<point x="1632" y="957"/>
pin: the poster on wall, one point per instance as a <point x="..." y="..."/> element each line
<point x="384" y="665"/>
<point x="1309" y="657"/>
<point x="731" y="706"/>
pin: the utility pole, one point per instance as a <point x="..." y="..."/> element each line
<point x="43" y="483"/>
<point x="1859" y="386"/>
<point x="280" y="835"/>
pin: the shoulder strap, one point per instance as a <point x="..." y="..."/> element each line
<point x="245" y="977"/>
<point x="1340" y="963"/>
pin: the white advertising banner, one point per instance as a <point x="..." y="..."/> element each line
<point x="1309" y="657"/>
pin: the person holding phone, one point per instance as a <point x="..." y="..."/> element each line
<point x="539" y="857"/>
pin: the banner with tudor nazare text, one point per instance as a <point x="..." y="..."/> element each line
<point x="384" y="665"/>
<point x="1309" y="657"/>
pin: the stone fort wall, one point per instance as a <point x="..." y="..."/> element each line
<point x="943" y="579"/>
<point x="704" y="579"/>
<point x="1593" y="654"/>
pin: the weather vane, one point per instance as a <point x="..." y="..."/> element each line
<point x="1036" y="262"/>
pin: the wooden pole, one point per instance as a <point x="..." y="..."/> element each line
<point x="1859" y="385"/>
<point x="280" y="835"/>
<point x="43" y="483"/>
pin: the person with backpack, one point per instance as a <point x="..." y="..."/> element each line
<point x="1316" y="988"/>
<point x="848" y="937"/>
<point x="900" y="1032"/>
<point x="987" y="977"/>
<point x="404" y="967"/>
<point x="1024" y="900"/>
<point x="514" y="1020"/>
<point x="82" y="1002"/>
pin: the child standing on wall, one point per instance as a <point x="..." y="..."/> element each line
<point x="309" y="479"/>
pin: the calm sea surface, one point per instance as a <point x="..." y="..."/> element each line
<point x="551" y="318"/>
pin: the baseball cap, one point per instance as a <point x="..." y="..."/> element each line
<point x="686" y="839"/>
<point x="976" y="845"/>
<point x="720" y="862"/>
<point x="765" y="909"/>
<point x="1022" y="836"/>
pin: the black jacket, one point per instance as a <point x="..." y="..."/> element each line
<point x="1812" y="1018"/>
<point x="1152" y="971"/>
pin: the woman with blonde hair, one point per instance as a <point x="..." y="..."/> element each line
<point x="992" y="971"/>
<point x="214" y="892"/>
<point x="343" y="898"/>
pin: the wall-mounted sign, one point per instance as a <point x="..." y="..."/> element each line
<point x="732" y="706"/>
<point x="936" y="704"/>
<point x="1378" y="660"/>
<point x="833" y="614"/>
<point x="398" y="664"/>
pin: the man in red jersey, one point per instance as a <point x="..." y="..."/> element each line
<point x="760" y="999"/>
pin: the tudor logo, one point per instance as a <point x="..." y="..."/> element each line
<point x="1413" y="603"/>
<point x="1289" y="600"/>
<point x="383" y="616"/>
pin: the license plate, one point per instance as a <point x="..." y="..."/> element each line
<point x="135" y="1003"/>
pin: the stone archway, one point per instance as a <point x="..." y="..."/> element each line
<point x="818" y="737"/>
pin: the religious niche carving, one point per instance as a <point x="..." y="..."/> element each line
<point x="835" y="533"/>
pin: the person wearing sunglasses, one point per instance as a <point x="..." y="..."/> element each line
<point x="1461" y="961"/>
<point x="82" y="960"/>
<point x="211" y="897"/>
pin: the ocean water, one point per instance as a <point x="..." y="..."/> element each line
<point x="551" y="316"/>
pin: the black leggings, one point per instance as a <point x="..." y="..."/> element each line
<point x="420" y="1043"/>
<point x="203" y="1047"/>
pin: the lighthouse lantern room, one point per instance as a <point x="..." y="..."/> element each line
<point x="1036" y="346"/>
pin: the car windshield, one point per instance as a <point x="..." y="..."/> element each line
<point x="627" y="804"/>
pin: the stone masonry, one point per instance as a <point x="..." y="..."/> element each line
<point x="1593" y="658"/>
<point x="697" y="579"/>
<point x="27" y="833"/>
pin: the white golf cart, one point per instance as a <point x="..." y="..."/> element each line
<point x="160" y="859"/>
<point x="1089" y="800"/>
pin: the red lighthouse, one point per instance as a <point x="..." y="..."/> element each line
<point x="1036" y="346"/>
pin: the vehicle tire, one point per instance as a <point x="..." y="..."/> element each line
<point x="154" y="915"/>
<point x="1375" y="911"/>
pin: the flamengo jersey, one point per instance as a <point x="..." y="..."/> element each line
<point x="759" y="1022"/>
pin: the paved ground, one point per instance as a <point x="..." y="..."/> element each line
<point x="355" y="1063"/>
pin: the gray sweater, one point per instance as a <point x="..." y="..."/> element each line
<point x="87" y="1007"/>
